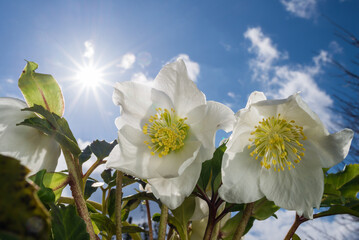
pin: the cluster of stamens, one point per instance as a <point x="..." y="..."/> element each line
<point x="167" y="132"/>
<point x="277" y="143"/>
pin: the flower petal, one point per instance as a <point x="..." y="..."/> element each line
<point x="215" y="116"/>
<point x="334" y="147"/>
<point x="138" y="102"/>
<point x="33" y="148"/>
<point x="298" y="189"/>
<point x="240" y="177"/>
<point x="291" y="108"/>
<point x="175" y="163"/>
<point x="255" y="97"/>
<point x="173" y="191"/>
<point x="131" y="155"/>
<point x="174" y="81"/>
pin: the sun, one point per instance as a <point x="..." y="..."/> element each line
<point x="89" y="76"/>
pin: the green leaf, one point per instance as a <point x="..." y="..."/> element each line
<point x="53" y="125"/>
<point x="216" y="162"/>
<point x="102" y="149"/>
<point x="231" y="225"/>
<point x="264" y="209"/>
<point x="205" y="175"/>
<point x="38" y="178"/>
<point x="50" y="180"/>
<point x="85" y="155"/>
<point x="89" y="190"/>
<point x="211" y="169"/>
<point x="338" y="210"/>
<point x="156" y="217"/>
<point x="54" y="180"/>
<point x="341" y="188"/>
<point x="351" y="188"/>
<point x="19" y="204"/>
<point x="182" y="214"/>
<point x="132" y="229"/>
<point x="67" y="225"/>
<point x="111" y="204"/>
<point x="41" y="89"/>
<point x="133" y="235"/>
<point x="295" y="237"/>
<point x="141" y="196"/>
<point x="340" y="178"/>
<point x="104" y="223"/>
<point x="106" y="175"/>
<point x="46" y="195"/>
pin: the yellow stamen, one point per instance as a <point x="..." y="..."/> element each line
<point x="277" y="143"/>
<point x="167" y="132"/>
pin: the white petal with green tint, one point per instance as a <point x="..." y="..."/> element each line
<point x="33" y="148"/>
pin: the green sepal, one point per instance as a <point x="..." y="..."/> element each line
<point x="41" y="89"/>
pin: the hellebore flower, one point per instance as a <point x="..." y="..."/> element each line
<point x="166" y="131"/>
<point x="278" y="149"/>
<point x="33" y="148"/>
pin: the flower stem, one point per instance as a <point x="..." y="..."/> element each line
<point x="91" y="169"/>
<point x="163" y="222"/>
<point x="298" y="220"/>
<point x="150" y="232"/>
<point x="104" y="202"/>
<point x="118" y="205"/>
<point x="75" y="182"/>
<point x="244" y="221"/>
<point x="210" y="224"/>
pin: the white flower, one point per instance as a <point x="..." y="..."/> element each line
<point x="166" y="131"/>
<point x="278" y="149"/>
<point x="33" y="148"/>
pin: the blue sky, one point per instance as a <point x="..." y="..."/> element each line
<point x="231" y="48"/>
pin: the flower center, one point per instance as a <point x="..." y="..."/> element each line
<point x="167" y="132"/>
<point x="277" y="143"/>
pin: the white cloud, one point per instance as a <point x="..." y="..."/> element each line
<point x="335" y="47"/>
<point x="285" y="80"/>
<point x="127" y="61"/>
<point x="265" y="52"/>
<point x="142" y="78"/>
<point x="226" y="46"/>
<point x="9" y="80"/>
<point x="231" y="94"/>
<point x="323" y="228"/>
<point x="89" y="49"/>
<point x="301" y="8"/>
<point x="192" y="67"/>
